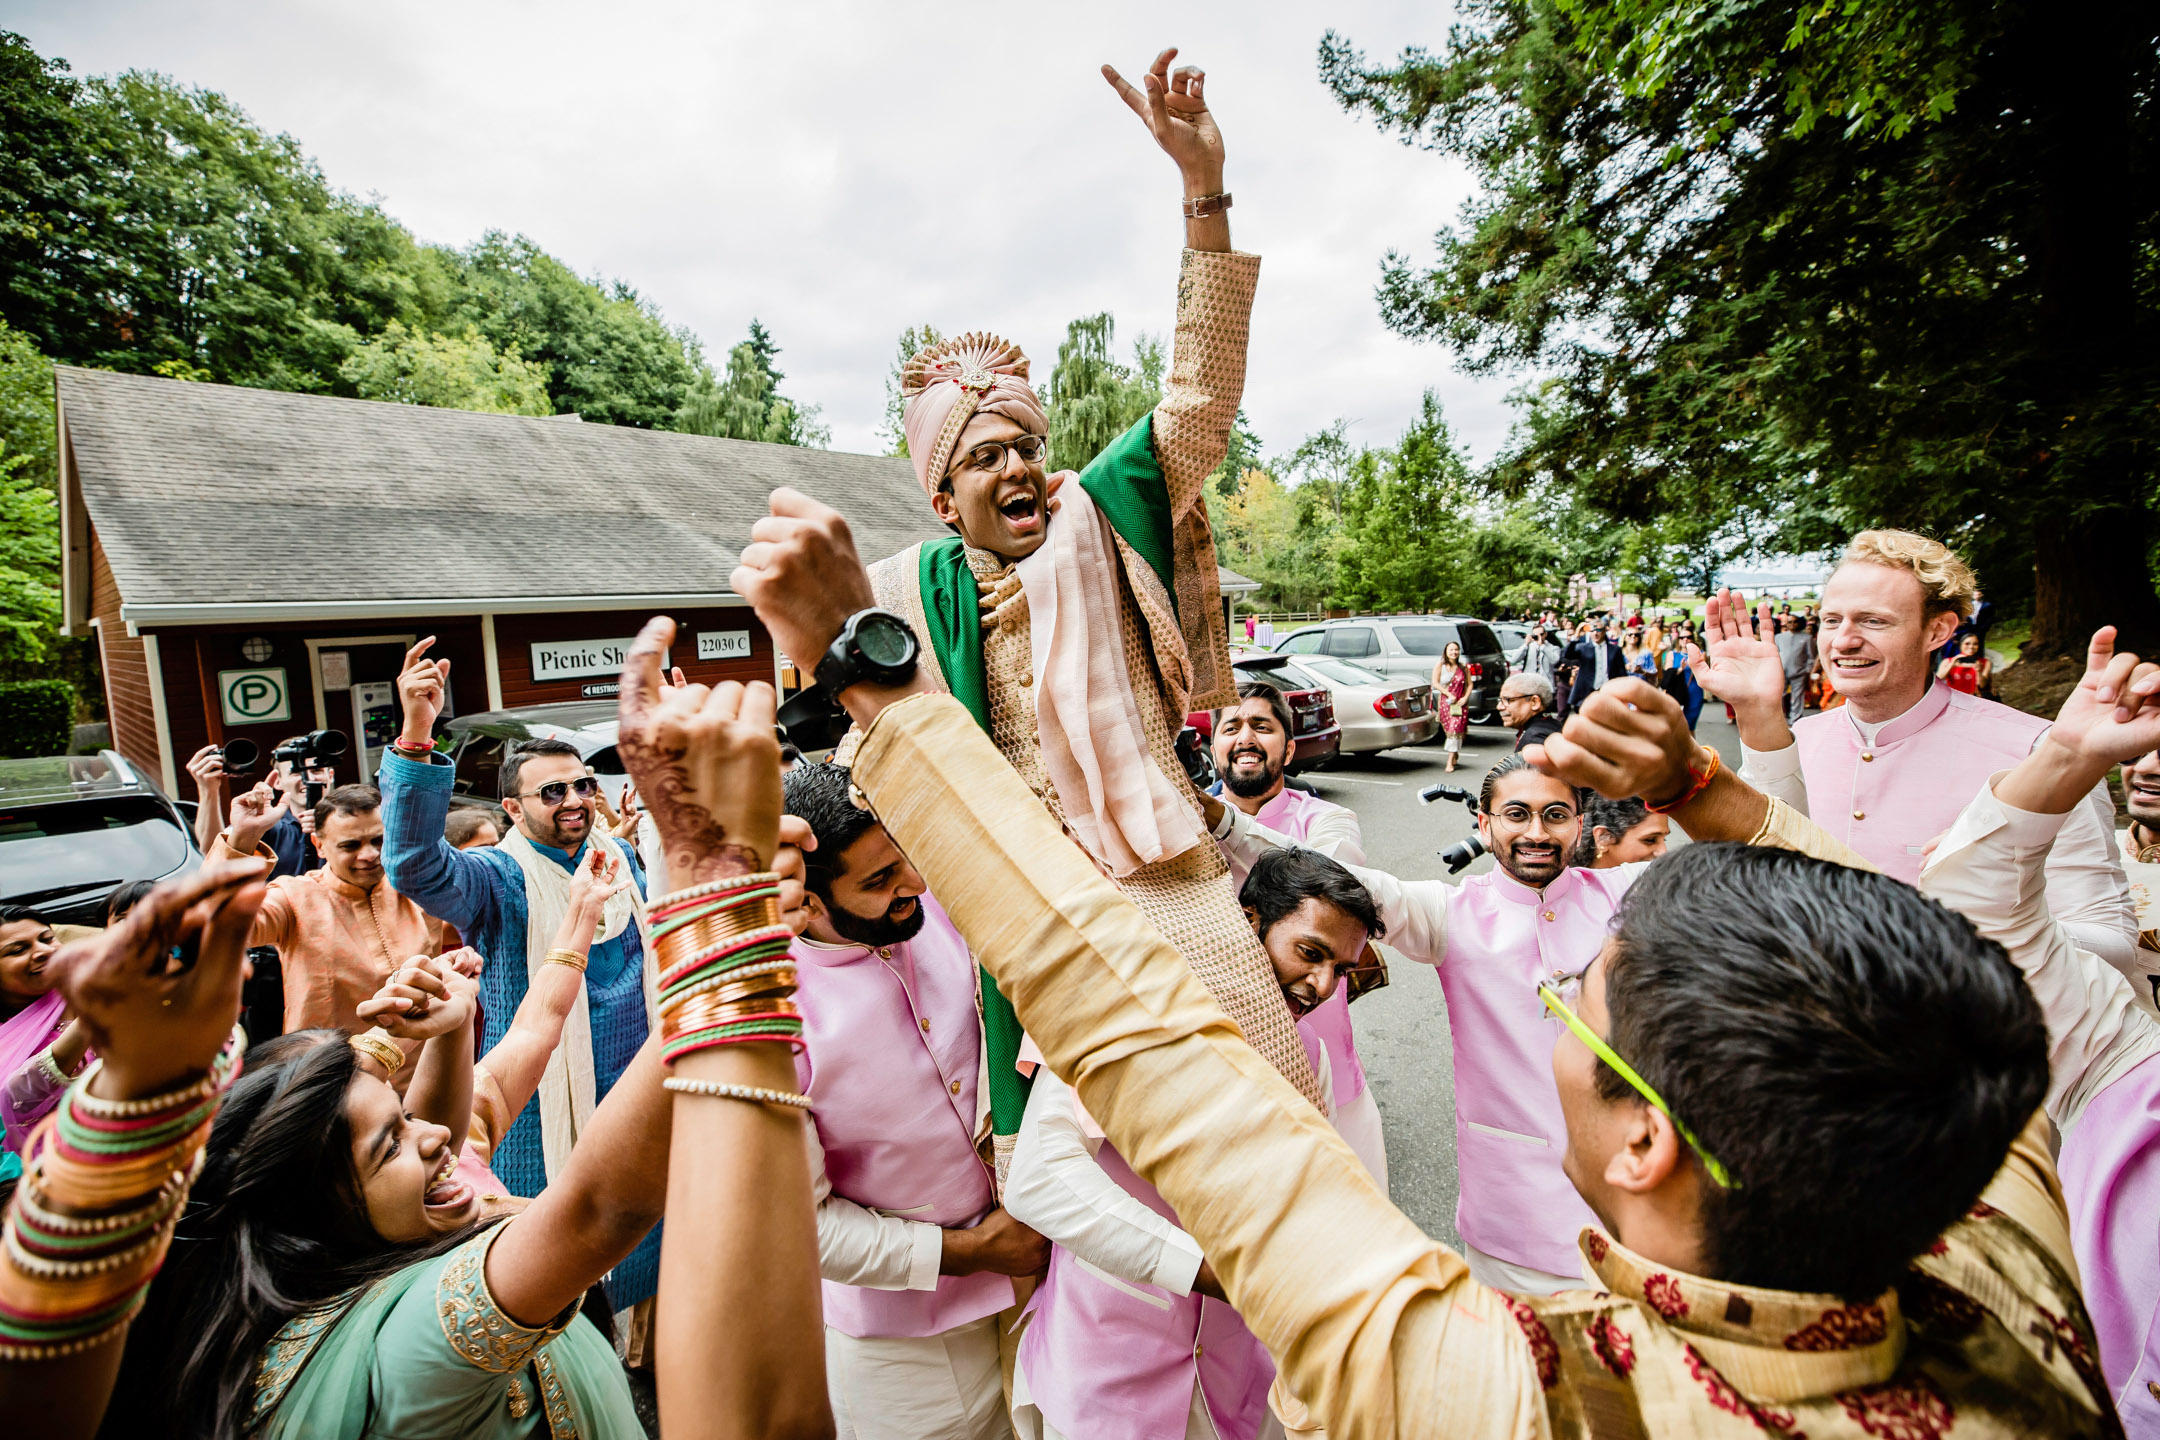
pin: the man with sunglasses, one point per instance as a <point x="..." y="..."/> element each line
<point x="507" y="900"/>
<point x="1078" y="633"/>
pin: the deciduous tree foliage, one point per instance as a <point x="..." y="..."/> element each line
<point x="747" y="404"/>
<point x="1092" y="398"/>
<point x="1813" y="267"/>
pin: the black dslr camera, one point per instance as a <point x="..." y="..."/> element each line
<point x="239" y="755"/>
<point x="1459" y="856"/>
<point x="311" y="751"/>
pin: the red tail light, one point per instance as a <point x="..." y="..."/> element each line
<point x="1388" y="706"/>
<point x="1477" y="671"/>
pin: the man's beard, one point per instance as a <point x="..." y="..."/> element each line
<point x="876" y="931"/>
<point x="1248" y="787"/>
<point x="1539" y="873"/>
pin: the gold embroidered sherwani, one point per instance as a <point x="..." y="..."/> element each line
<point x="1381" y="1330"/>
<point x="1176" y="653"/>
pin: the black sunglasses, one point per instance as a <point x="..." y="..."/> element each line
<point x="555" y="791"/>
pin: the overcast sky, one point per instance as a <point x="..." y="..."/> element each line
<point x="841" y="171"/>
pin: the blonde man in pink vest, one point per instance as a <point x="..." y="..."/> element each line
<point x="1130" y="1337"/>
<point x="1888" y="771"/>
<point x="1253" y="803"/>
<point x="915" y="1251"/>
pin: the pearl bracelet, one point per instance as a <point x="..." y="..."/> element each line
<point x="715" y="1090"/>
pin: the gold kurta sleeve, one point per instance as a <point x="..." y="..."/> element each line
<point x="1378" y="1329"/>
<point x="1192" y="434"/>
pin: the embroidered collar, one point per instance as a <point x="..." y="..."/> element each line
<point x="1903" y="727"/>
<point x="1779" y="1345"/>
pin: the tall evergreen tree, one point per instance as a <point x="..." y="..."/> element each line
<point x="1825" y="266"/>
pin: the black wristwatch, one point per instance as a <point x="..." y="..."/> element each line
<point x="874" y="645"/>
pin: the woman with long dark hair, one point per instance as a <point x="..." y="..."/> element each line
<point x="329" y="1275"/>
<point x="1451" y="688"/>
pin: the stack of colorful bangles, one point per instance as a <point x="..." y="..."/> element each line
<point x="103" y="1184"/>
<point x="725" y="974"/>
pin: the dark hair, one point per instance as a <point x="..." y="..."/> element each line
<point x="1513" y="765"/>
<point x="346" y="800"/>
<point x="1282" y="880"/>
<point x="789" y="755"/>
<point x="1856" y="1055"/>
<point x="275" y="1226"/>
<point x="125" y="898"/>
<point x="1614" y="817"/>
<point x="513" y="765"/>
<point x="464" y="822"/>
<point x="817" y="791"/>
<point x="12" y="914"/>
<point x="1279" y="707"/>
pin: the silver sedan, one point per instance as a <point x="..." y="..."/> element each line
<point x="1376" y="712"/>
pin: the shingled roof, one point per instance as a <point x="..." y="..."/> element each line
<point x="215" y="501"/>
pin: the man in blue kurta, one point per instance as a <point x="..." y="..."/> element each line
<point x="507" y="901"/>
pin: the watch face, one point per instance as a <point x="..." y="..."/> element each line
<point x="883" y="640"/>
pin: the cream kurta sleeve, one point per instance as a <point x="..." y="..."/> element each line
<point x="1379" y="1329"/>
<point x="1192" y="434"/>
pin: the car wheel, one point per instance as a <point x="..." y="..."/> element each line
<point x="1487" y="717"/>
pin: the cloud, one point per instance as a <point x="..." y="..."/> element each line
<point x="841" y="171"/>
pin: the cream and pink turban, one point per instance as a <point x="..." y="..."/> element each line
<point x="949" y="384"/>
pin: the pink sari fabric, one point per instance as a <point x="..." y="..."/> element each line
<point x="34" y="1027"/>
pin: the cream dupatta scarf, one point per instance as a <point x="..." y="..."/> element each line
<point x="567" y="1085"/>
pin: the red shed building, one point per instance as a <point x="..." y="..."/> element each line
<point x="255" y="563"/>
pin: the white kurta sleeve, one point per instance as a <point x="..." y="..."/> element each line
<point x="1989" y="869"/>
<point x="1335" y="833"/>
<point x="1777" y="774"/>
<point x="1056" y="1187"/>
<point x="1414" y="911"/>
<point x="858" y="1246"/>
<point x="2088" y="892"/>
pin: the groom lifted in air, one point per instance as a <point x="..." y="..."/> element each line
<point x="1079" y="634"/>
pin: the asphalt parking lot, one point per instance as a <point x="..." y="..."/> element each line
<point x="1402" y="1031"/>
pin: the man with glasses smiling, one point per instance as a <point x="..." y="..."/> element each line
<point x="507" y="901"/>
<point x="1079" y="632"/>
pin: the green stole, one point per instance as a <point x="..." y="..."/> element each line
<point x="1126" y="482"/>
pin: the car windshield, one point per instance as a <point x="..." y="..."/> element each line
<point x="1424" y="639"/>
<point x="1343" y="672"/>
<point x="51" y="850"/>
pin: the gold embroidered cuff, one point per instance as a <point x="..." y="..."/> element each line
<point x="477" y="1329"/>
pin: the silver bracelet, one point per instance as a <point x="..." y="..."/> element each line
<point x="757" y="1093"/>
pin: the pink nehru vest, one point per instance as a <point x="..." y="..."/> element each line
<point x="1292" y="813"/>
<point x="1887" y="800"/>
<point x="1502" y="938"/>
<point x="892" y="1049"/>
<point x="2111" y="1183"/>
<point x="1113" y="1360"/>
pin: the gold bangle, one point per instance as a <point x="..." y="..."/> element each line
<point x="713" y="1089"/>
<point x="570" y="958"/>
<point x="749" y="881"/>
<point x="707" y="931"/>
<point x="375" y="1045"/>
<point x="725" y="989"/>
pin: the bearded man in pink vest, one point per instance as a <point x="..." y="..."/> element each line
<point x="1888" y="771"/>
<point x="1254" y="803"/>
<point x="915" y="1251"/>
<point x="1129" y="1337"/>
<point x="1492" y="939"/>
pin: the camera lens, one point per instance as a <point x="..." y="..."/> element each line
<point x="327" y="743"/>
<point x="240" y="754"/>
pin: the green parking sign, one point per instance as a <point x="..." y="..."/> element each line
<point x="254" y="697"/>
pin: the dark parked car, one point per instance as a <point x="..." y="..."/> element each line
<point x="1408" y="647"/>
<point x="75" y="828"/>
<point x="1317" y="738"/>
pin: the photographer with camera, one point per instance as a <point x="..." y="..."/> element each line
<point x="298" y="763"/>
<point x="339" y="929"/>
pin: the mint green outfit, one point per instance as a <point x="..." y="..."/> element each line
<point x="427" y="1353"/>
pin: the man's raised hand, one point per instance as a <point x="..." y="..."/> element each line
<point x="1173" y="106"/>
<point x="1739" y="667"/>
<point x="2112" y="716"/>
<point x="253" y="813"/>
<point x="706" y="761"/>
<point x="802" y="575"/>
<point x="1629" y="738"/>
<point x="422" y="685"/>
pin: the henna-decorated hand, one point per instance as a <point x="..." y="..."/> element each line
<point x="159" y="1017"/>
<point x="706" y="762"/>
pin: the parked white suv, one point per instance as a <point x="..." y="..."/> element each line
<point x="1407" y="647"/>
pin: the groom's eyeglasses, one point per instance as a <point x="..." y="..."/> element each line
<point x="557" y="791"/>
